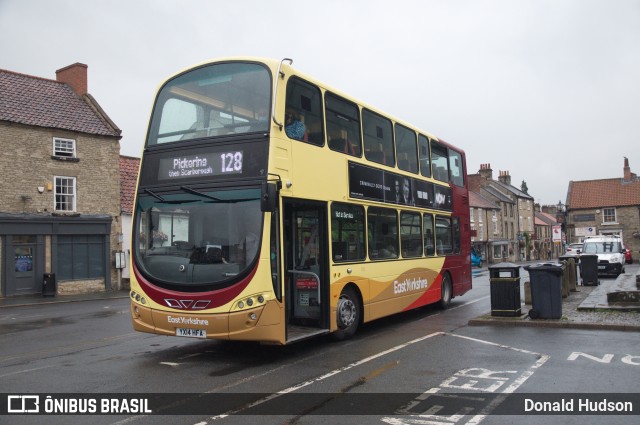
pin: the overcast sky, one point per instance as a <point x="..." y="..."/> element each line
<point x="548" y="90"/>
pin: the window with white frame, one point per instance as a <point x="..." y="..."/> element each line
<point x="65" y="193"/>
<point x="494" y="220"/>
<point x="609" y="215"/>
<point x="480" y="211"/>
<point x="471" y="214"/>
<point x="65" y="148"/>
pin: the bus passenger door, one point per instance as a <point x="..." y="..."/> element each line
<point x="306" y="270"/>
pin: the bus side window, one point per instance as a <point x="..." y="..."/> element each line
<point x="347" y="232"/>
<point x="406" y="150"/>
<point x="440" y="162"/>
<point x="382" y="226"/>
<point x="429" y="243"/>
<point x="455" y="164"/>
<point x="303" y="112"/>
<point x="444" y="239"/>
<point x="378" y="138"/>
<point x="425" y="156"/>
<point x="456" y="235"/>
<point x="410" y="234"/>
<point x="343" y="125"/>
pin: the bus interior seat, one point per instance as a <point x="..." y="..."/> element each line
<point x="338" y="144"/>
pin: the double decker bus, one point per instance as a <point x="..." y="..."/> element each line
<point x="271" y="207"/>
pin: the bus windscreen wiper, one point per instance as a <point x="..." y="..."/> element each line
<point x="164" y="201"/>
<point x="204" y="195"/>
<point x="195" y="192"/>
<point x="158" y="197"/>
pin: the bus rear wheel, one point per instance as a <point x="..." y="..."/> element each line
<point x="347" y="314"/>
<point x="446" y="291"/>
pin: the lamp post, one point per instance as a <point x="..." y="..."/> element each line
<point x="560" y="218"/>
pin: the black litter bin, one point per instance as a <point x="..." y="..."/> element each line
<point x="546" y="290"/>
<point x="504" y="280"/>
<point x="49" y="285"/>
<point x="589" y="269"/>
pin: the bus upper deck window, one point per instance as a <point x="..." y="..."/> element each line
<point x="303" y="112"/>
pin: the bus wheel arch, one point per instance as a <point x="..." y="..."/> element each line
<point x="348" y="312"/>
<point x="446" y="290"/>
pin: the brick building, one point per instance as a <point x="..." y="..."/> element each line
<point x="605" y="207"/>
<point x="60" y="195"/>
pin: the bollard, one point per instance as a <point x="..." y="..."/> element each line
<point x="572" y="270"/>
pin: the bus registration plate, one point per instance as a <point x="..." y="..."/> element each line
<point x="191" y="333"/>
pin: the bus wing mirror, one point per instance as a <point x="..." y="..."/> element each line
<point x="269" y="197"/>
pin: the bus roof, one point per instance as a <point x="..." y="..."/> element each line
<point x="274" y="64"/>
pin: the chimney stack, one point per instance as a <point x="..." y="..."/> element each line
<point x="627" y="170"/>
<point x="75" y="76"/>
<point x="505" y="177"/>
<point x="486" y="171"/>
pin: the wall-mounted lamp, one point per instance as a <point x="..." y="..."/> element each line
<point x="40" y="189"/>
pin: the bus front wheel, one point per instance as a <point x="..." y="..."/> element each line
<point x="348" y="314"/>
<point x="446" y="291"/>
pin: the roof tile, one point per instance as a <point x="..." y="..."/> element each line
<point x="41" y="102"/>
<point x="603" y="193"/>
<point x="128" y="180"/>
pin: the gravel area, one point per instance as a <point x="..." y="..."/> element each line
<point x="571" y="316"/>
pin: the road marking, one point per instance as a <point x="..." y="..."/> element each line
<point x="327" y="375"/>
<point x="605" y="359"/>
<point x="24" y="371"/>
<point x="473" y="421"/>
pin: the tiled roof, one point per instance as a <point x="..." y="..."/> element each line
<point x="128" y="179"/>
<point x="478" y="201"/>
<point x="512" y="189"/>
<point x="542" y="218"/>
<point x="47" y="103"/>
<point x="603" y="193"/>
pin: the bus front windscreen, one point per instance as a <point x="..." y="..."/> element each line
<point x="197" y="240"/>
<point x="215" y="100"/>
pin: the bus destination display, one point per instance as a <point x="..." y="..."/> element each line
<point x="201" y="165"/>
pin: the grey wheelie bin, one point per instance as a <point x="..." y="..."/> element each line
<point x="546" y="290"/>
<point x="589" y="269"/>
<point x="504" y="281"/>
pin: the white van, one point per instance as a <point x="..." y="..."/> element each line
<point x="610" y="251"/>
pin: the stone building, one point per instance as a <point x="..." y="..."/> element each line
<point x="515" y="240"/>
<point x="605" y="207"/>
<point x="60" y="195"/>
<point x="545" y="247"/>
<point x="485" y="224"/>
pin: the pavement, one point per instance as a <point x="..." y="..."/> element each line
<point x="588" y="307"/>
<point x="611" y="305"/>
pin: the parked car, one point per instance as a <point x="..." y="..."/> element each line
<point x="574" y="249"/>
<point x="476" y="259"/>
<point x="610" y="251"/>
<point x="627" y="256"/>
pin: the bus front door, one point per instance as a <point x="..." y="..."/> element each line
<point x="306" y="264"/>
